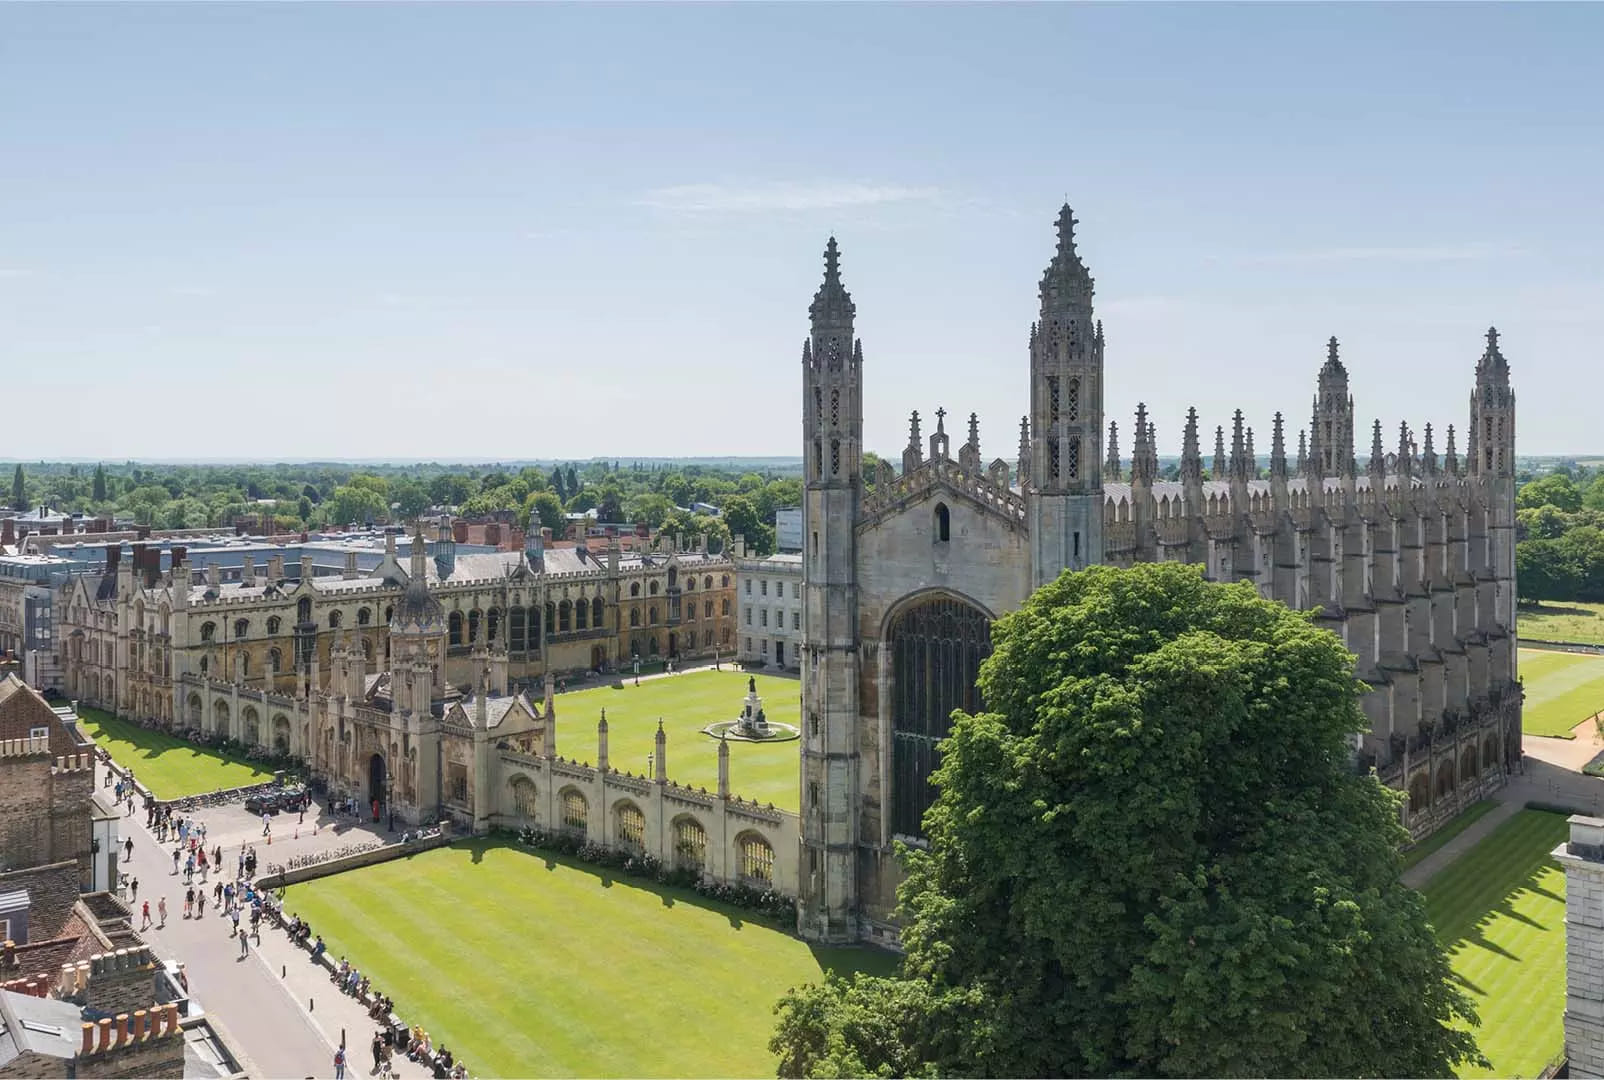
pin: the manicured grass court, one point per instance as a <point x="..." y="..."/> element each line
<point x="1500" y="911"/>
<point x="1562" y="690"/>
<point x="1571" y="621"/>
<point x="171" y="768"/>
<point x="1436" y="840"/>
<point x="767" y="772"/>
<point x="529" y="965"/>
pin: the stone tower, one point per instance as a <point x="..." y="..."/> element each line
<point x="832" y="411"/>
<point x="1582" y="859"/>
<point x="1492" y="457"/>
<point x="1333" y="417"/>
<point x="1065" y="496"/>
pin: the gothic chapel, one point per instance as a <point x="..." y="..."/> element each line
<point x="1410" y="559"/>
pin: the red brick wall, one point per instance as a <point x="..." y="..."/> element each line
<point x="52" y="891"/>
<point x="25" y="710"/>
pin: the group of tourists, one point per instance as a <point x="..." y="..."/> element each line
<point x="125" y="792"/>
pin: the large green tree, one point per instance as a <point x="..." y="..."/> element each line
<point x="19" y="492"/>
<point x="98" y="492"/>
<point x="1152" y="856"/>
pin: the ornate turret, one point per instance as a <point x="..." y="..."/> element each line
<point x="1144" y="455"/>
<point x="1333" y="417"/>
<point x="1066" y="414"/>
<point x="1237" y="469"/>
<point x="832" y="362"/>
<point x="1278" y="450"/>
<point x="1303" y="450"/>
<point x="1428" y="459"/>
<point x="1219" y="470"/>
<point x="1252" y="459"/>
<point x="1024" y="453"/>
<point x="1406" y="450"/>
<point x="418" y="614"/>
<point x="445" y="552"/>
<point x="1451" y="460"/>
<point x="1492" y="413"/>
<point x="1191" y="453"/>
<point x="1111" y="464"/>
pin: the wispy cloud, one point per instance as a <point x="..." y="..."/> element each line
<point x="1406" y="254"/>
<point x="781" y="196"/>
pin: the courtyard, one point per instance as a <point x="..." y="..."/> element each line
<point x="1563" y="690"/>
<point x="1572" y="620"/>
<point x="1499" y="909"/>
<point x="170" y="767"/>
<point x="686" y="703"/>
<point x="527" y="964"/>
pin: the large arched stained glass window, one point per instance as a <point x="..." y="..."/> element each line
<point x="936" y="649"/>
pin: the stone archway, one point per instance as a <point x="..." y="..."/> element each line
<point x="220" y="717"/>
<point x="377" y="776"/>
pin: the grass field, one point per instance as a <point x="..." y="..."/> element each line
<point x="527" y="965"/>
<point x="171" y="768"/>
<point x="1437" y="839"/>
<point x="1570" y="621"/>
<point x="1562" y="690"/>
<point x="1500" y="911"/>
<point x="769" y="773"/>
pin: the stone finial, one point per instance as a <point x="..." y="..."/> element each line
<point x="1406" y="449"/>
<point x="1111" y="465"/>
<point x="1303" y="451"/>
<point x="938" y="439"/>
<point x="969" y="453"/>
<point x="913" y="454"/>
<point x="1099" y="337"/>
<point x="1378" y="456"/>
<point x="1428" y="459"/>
<point x="1333" y="365"/>
<point x="1066" y="232"/>
<point x="1252" y="458"/>
<point x="1024" y="452"/>
<point x="1218" y="470"/>
<point x="1451" y="458"/>
<point x="1278" y="450"/>
<point x="660" y="754"/>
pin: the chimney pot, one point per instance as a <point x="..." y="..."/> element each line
<point x="141" y="1031"/>
<point x="89" y="1041"/>
<point x="105" y="1035"/>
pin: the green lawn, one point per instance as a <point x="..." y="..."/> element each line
<point x="529" y="965"/>
<point x="171" y="768"/>
<point x="1437" y="839"/>
<point x="769" y="773"/>
<point x="1562" y="690"/>
<point x="1500" y="911"/>
<point x="1571" y="621"/>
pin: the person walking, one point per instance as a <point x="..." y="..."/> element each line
<point x="133" y="890"/>
<point x="145" y="911"/>
<point x="267" y="823"/>
<point x="244" y="946"/>
<point x="176" y="852"/>
<point x="339" y="1063"/>
<point x="161" y="909"/>
<point x="200" y="903"/>
<point x="189" y="900"/>
<point x="235" y="916"/>
<point x="128" y="850"/>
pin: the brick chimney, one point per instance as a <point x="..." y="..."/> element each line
<point x="7" y="534"/>
<point x="459" y="531"/>
<point x="114" y="556"/>
<point x="178" y="555"/>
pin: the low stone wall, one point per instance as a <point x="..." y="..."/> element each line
<point x="353" y="862"/>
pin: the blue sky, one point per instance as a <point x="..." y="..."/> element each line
<point x="480" y="232"/>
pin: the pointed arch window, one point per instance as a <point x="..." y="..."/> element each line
<point x="1074" y="459"/>
<point x="1052" y="399"/>
<point x="454" y="629"/>
<point x="835" y="408"/>
<point x="943" y="524"/>
<point x="835" y="457"/>
<point x="1072" y="411"/>
<point x="596" y="613"/>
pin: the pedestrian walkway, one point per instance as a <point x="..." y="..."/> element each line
<point x="1550" y="777"/>
<point x="287" y="1027"/>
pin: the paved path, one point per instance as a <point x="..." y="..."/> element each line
<point x="287" y="1026"/>
<point x="1552" y="775"/>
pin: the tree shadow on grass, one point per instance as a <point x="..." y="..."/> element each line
<point x="1476" y="933"/>
<point x="1554" y="609"/>
<point x="608" y="878"/>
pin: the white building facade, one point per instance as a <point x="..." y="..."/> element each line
<point x="768" y="599"/>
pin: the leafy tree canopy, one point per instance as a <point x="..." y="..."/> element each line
<point x="1152" y="856"/>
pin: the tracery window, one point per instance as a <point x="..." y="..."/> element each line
<point x="523" y="796"/>
<point x="1052" y="399"/>
<point x="1052" y="459"/>
<point x="242" y="628"/>
<point x="1073" y="410"/>
<point x="634" y="616"/>
<point x="835" y="408"/>
<point x="1074" y="459"/>
<point x="757" y="860"/>
<point x="690" y="844"/>
<point x="565" y="614"/>
<point x="835" y="457"/>
<point x="208" y="631"/>
<point x="630" y="827"/>
<point x="334" y="620"/>
<point x="575" y="811"/>
<point x="582" y="615"/>
<point x="937" y="646"/>
<point x="597" y="610"/>
<point x="364" y="616"/>
<point x="454" y="629"/>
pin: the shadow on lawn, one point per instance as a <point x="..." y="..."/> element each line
<point x="1476" y="934"/>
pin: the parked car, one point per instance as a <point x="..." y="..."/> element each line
<point x="263" y="802"/>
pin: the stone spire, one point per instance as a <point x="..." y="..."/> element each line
<point x="1333" y="365"/>
<point x="1332" y="438"/>
<point x="1024" y="452"/>
<point x="1253" y="458"/>
<point x="1492" y="414"/>
<point x="1451" y="460"/>
<point x="1142" y="458"/>
<point x="1314" y="465"/>
<point x="1191" y="454"/>
<point x="1218" y="472"/>
<point x="660" y="755"/>
<point x="1111" y="465"/>
<point x="1378" y="457"/>
<point x="1278" y="450"/>
<point x="1303" y="451"/>
<point x="601" y="743"/>
<point x="1239" y="450"/>
<point x="1428" y="459"/>
<point x="832" y="306"/>
<point x="913" y="456"/>
<point x="1406" y="454"/>
<point x="969" y="453"/>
